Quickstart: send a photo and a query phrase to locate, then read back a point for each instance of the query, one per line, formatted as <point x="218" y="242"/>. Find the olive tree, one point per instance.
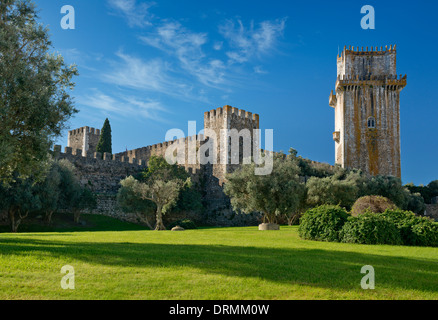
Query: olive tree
<point x="74" y="197"/>
<point x="129" y="200"/>
<point x="278" y="193"/>
<point x="339" y="189"/>
<point x="35" y="103"/>
<point x="18" y="199"/>
<point x="162" y="184"/>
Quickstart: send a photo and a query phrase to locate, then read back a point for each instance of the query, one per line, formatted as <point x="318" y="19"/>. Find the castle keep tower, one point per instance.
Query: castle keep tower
<point x="84" y="138"/>
<point x="367" y="111"/>
<point x="229" y="118"/>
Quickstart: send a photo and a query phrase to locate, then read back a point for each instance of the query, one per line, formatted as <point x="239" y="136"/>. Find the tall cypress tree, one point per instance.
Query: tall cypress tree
<point x="105" y="143"/>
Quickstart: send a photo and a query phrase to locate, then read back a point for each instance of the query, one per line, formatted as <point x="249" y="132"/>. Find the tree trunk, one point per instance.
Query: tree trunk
<point x="76" y="216"/>
<point x="12" y="219"/>
<point x="292" y="219"/>
<point x="15" y="223"/>
<point x="159" y="225"/>
<point x="48" y="217"/>
<point x="145" y="220"/>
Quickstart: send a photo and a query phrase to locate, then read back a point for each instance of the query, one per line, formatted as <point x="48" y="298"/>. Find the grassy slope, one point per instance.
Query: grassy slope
<point x="220" y="263"/>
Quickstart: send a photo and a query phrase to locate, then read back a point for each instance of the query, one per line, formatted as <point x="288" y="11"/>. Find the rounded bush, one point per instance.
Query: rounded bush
<point x="414" y="230"/>
<point x="323" y="223"/>
<point x="376" y="204"/>
<point x="370" y="228"/>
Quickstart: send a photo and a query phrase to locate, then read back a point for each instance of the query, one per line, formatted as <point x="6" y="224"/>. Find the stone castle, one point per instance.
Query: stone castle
<point x="104" y="172"/>
<point x="367" y="110"/>
<point x="367" y="137"/>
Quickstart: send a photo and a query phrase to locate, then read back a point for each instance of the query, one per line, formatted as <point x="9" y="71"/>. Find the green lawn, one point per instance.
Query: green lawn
<point x="216" y="263"/>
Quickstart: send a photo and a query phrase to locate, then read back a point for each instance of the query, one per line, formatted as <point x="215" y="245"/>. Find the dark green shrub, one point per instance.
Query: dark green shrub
<point x="323" y="223"/>
<point x="185" y="223"/>
<point x="414" y="230"/>
<point x="370" y="228"/>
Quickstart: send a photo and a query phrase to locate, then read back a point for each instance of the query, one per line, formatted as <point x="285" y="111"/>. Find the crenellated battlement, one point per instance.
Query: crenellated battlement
<point x="76" y="154"/>
<point x="351" y="50"/>
<point x="81" y="131"/>
<point x="366" y="62"/>
<point x="229" y="110"/>
<point x="85" y="138"/>
<point x="162" y="145"/>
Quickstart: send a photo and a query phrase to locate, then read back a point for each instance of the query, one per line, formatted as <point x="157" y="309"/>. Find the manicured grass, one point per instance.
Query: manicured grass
<point x="216" y="263"/>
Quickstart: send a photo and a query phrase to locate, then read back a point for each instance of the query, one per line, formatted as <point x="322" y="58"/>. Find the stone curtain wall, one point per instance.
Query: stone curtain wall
<point x="101" y="175"/>
<point x="145" y="153"/>
<point x="211" y="176"/>
<point x="104" y="175"/>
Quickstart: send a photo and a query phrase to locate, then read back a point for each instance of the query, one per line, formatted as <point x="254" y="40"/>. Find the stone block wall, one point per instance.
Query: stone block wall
<point x="102" y="175"/>
<point x="365" y="61"/>
<point x="185" y="145"/>
<point x="85" y="139"/>
<point x="432" y="211"/>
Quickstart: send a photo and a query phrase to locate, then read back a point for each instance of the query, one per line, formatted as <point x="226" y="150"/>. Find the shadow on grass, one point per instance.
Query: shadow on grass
<point x="314" y="267"/>
<point x="64" y="223"/>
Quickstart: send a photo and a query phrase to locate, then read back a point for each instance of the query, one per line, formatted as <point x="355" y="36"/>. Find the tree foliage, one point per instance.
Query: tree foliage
<point x="49" y="191"/>
<point x="60" y="189"/>
<point x="105" y="139"/>
<point x="341" y="188"/>
<point x="161" y="184"/>
<point x="18" y="199"/>
<point x="74" y="197"/>
<point x="426" y="192"/>
<point x="130" y="200"/>
<point x="34" y="91"/>
<point x="278" y="193"/>
<point x="389" y="187"/>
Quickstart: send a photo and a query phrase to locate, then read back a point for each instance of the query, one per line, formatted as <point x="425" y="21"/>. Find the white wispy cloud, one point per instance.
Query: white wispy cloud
<point x="136" y="13"/>
<point x="186" y="46"/>
<point x="252" y="41"/>
<point x="155" y="76"/>
<point x="192" y="61"/>
<point x="123" y="106"/>
<point x="259" y="70"/>
<point x="83" y="60"/>
<point x="218" y="45"/>
<point x="132" y="72"/>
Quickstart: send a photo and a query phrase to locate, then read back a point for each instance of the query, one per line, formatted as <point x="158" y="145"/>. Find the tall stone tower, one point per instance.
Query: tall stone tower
<point x="367" y="110"/>
<point x="229" y="118"/>
<point x="84" y="138"/>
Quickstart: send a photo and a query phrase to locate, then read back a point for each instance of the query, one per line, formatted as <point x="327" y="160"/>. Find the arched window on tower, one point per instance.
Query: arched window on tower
<point x="371" y="122"/>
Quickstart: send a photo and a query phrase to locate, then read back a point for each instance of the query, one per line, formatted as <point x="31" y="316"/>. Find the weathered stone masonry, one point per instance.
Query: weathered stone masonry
<point x="104" y="175"/>
<point x="367" y="111"/>
<point x="84" y="138"/>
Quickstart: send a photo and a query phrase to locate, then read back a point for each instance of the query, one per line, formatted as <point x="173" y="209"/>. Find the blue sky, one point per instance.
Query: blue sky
<point x="152" y="66"/>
